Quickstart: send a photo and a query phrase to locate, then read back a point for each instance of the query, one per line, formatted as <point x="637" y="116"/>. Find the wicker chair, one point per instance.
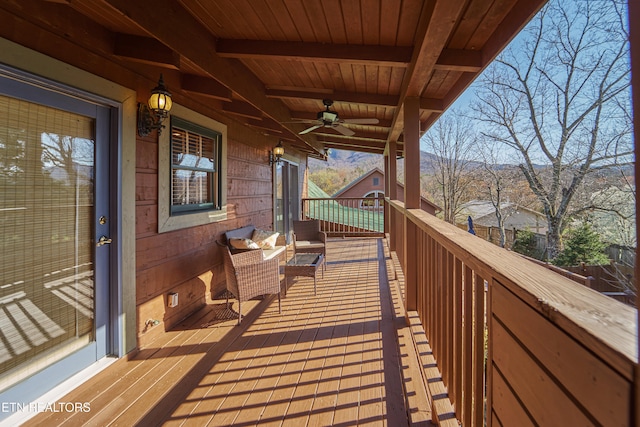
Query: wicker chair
<point x="249" y="275"/>
<point x="307" y="237"/>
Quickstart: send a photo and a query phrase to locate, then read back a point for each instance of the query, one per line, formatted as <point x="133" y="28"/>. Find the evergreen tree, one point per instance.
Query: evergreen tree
<point x="582" y="245"/>
<point x="526" y="245"/>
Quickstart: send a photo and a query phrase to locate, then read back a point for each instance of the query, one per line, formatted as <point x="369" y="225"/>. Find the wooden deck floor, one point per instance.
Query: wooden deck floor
<point x="328" y="360"/>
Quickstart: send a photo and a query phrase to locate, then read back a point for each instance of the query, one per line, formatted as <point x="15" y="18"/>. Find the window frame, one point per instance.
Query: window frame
<point x="168" y="221"/>
<point x="214" y="182"/>
<point x="377" y="195"/>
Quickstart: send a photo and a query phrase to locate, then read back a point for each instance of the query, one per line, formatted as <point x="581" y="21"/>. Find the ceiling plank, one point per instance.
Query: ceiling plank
<point x="146" y="50"/>
<point x="395" y="56"/>
<point x="147" y="13"/>
<point x="205" y="86"/>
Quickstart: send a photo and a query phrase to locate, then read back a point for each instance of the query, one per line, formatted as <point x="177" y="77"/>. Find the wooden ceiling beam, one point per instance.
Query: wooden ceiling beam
<point x="353" y="146"/>
<point x="146" y="14"/>
<point x="305" y="115"/>
<point x="348" y="97"/>
<point x="512" y="24"/>
<point x="206" y="87"/>
<point x="393" y="56"/>
<point x="265" y="125"/>
<point x="437" y="21"/>
<point x="366" y="136"/>
<point x="242" y="109"/>
<point x="377" y="140"/>
<point x="431" y="104"/>
<point x="146" y="50"/>
<point x="464" y="60"/>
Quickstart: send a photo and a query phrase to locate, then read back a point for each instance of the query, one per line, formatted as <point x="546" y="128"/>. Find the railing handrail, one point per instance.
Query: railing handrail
<point x="502" y="328"/>
<point x="614" y="328"/>
<point x="346" y="215"/>
<point x="343" y="198"/>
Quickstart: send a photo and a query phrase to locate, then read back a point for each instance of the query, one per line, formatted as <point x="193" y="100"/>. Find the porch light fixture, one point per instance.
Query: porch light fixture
<point x="276" y="154"/>
<point x="151" y="117"/>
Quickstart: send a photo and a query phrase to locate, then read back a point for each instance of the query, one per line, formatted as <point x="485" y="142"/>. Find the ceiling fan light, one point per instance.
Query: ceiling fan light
<point x="327" y="116"/>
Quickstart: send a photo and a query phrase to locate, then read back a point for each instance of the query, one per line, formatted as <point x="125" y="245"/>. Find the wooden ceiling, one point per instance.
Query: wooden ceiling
<point x="270" y="63"/>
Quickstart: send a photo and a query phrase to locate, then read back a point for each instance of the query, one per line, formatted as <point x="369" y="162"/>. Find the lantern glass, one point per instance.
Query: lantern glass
<point x="160" y="102"/>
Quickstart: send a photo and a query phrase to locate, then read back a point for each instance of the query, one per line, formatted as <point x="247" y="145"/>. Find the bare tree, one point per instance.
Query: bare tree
<point x="497" y="181"/>
<point x="451" y="141"/>
<point x="559" y="98"/>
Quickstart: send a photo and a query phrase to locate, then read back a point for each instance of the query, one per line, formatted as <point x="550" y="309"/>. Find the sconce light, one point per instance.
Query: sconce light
<point x="276" y="154"/>
<point x="151" y="117"/>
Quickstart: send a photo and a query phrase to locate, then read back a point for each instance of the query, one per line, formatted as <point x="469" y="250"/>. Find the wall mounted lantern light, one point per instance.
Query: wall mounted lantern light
<point x="151" y="117"/>
<point x="276" y="154"/>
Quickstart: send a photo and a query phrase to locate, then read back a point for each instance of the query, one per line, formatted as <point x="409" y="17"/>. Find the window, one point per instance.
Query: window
<point x="372" y="200"/>
<point x="192" y="171"/>
<point x="195" y="155"/>
<point x="376" y="181"/>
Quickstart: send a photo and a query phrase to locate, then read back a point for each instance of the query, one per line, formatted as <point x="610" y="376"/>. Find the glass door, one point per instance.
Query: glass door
<point x="287" y="197"/>
<point x="54" y="237"/>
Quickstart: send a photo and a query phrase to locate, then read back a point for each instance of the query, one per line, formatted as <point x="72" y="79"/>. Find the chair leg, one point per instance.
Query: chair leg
<point x="279" y="302"/>
<point x="239" y="311"/>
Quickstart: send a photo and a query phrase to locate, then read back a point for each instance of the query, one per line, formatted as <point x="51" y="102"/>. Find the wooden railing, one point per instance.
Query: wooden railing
<point x="346" y="216"/>
<point x="515" y="344"/>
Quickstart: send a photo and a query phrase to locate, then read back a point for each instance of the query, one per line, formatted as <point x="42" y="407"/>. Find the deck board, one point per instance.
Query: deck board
<point x="321" y="362"/>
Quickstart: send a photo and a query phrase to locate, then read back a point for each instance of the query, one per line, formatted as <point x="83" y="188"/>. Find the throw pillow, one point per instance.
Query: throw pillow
<point x="238" y="243"/>
<point x="264" y="238"/>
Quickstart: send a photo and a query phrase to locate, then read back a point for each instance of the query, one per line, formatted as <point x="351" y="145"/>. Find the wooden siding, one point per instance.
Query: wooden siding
<point x="188" y="261"/>
<point x="185" y="261"/>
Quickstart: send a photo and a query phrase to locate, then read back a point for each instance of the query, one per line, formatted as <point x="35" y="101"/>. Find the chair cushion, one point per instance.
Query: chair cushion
<point x="309" y="244"/>
<point x="265" y="239"/>
<point x="242" y="243"/>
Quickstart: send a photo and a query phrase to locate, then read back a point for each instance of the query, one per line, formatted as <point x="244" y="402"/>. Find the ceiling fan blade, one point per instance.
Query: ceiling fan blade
<point x="307" y="130"/>
<point x="344" y="130"/>
<point x="368" y="121"/>
<point x="301" y="121"/>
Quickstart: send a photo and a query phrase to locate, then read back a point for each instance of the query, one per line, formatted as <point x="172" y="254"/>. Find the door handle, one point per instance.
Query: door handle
<point x="104" y="240"/>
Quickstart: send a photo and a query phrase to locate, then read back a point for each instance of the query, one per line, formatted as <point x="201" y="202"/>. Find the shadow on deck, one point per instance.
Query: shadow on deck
<point x="341" y="358"/>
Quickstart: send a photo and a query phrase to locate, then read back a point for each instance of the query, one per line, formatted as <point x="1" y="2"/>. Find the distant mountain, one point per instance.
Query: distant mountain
<point x="340" y="159"/>
<point x="364" y="162"/>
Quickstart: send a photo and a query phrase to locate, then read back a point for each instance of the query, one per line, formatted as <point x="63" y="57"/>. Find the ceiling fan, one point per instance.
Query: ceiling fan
<point x="330" y="119"/>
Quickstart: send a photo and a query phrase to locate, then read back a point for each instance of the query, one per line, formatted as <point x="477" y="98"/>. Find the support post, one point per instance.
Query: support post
<point x="411" y="197"/>
<point x="634" y="16"/>
<point x="391" y="191"/>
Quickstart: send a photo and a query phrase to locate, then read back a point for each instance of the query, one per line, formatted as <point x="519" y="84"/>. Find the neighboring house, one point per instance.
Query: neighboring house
<point x="371" y="185"/>
<point x="483" y="213"/>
